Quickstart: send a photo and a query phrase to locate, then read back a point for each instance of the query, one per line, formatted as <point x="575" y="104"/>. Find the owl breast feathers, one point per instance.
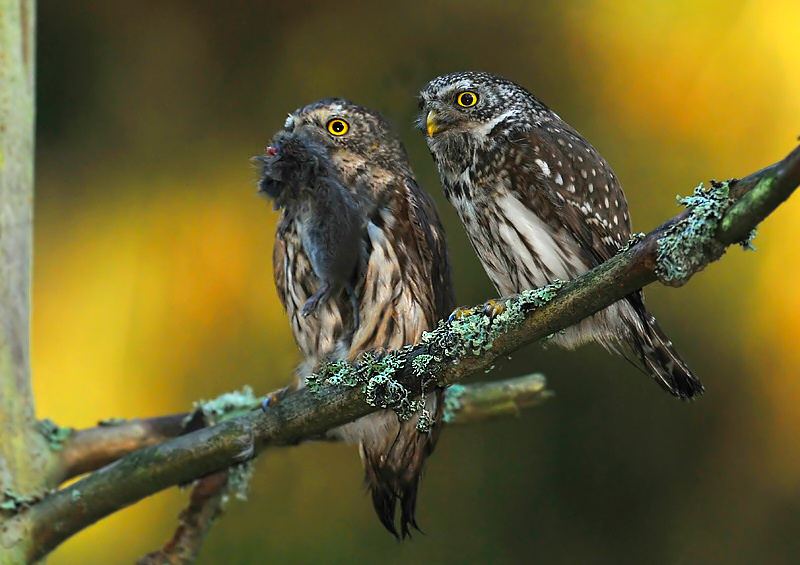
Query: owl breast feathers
<point x="399" y="286"/>
<point x="539" y="203"/>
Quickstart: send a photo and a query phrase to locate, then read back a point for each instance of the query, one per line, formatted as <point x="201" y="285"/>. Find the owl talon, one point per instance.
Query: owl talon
<point x="274" y="397"/>
<point x="457" y="313"/>
<point x="494" y="308"/>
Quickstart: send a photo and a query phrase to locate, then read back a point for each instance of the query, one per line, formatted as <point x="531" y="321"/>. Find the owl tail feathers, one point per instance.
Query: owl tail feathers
<point x="385" y="499"/>
<point x="663" y="362"/>
<point x="393" y="468"/>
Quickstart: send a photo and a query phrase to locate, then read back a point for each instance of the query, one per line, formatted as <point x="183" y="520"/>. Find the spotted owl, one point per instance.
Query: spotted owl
<point x="360" y="264"/>
<point x="540" y="203"/>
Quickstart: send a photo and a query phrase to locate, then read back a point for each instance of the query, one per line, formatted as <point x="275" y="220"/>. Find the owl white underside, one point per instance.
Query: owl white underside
<point x="386" y="298"/>
<point x="524" y="231"/>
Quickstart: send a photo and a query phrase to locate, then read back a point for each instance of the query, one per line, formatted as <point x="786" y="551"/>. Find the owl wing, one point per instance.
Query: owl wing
<point x="409" y="289"/>
<point x="578" y="186"/>
<point x="280" y="260"/>
<point x="406" y="281"/>
<point x="428" y="239"/>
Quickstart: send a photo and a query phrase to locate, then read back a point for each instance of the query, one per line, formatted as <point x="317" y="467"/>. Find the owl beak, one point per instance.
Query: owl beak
<point x="431" y="124"/>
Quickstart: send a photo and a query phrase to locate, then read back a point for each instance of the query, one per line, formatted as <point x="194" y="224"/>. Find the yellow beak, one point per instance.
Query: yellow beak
<point x="433" y="127"/>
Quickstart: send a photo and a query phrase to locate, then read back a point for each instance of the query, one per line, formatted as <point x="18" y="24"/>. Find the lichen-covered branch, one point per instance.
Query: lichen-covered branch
<point x="83" y="451"/>
<point x="468" y="343"/>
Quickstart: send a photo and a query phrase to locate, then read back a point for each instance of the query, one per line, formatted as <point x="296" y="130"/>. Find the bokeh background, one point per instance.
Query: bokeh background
<point x="153" y="284"/>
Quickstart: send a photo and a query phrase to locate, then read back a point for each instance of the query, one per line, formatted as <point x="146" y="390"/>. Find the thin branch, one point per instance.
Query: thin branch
<point x="453" y="351"/>
<point x="468" y="404"/>
<point x="90" y="449"/>
<point x="205" y="504"/>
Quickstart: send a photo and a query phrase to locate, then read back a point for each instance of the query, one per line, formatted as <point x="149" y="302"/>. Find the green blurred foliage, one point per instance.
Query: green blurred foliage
<point x="153" y="282"/>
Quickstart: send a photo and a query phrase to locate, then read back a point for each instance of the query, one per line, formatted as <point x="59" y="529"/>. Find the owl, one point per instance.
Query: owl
<point x="360" y="264"/>
<point x="540" y="203"/>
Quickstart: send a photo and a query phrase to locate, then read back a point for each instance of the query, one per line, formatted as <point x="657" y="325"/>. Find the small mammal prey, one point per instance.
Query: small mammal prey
<point x="299" y="175"/>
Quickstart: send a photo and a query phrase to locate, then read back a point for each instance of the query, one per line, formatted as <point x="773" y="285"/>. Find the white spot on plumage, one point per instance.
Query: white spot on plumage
<point x="544" y="166"/>
<point x="606" y="201"/>
<point x="571" y="188"/>
<point x="583" y="173"/>
<point x="591" y="188"/>
<point x="558" y="179"/>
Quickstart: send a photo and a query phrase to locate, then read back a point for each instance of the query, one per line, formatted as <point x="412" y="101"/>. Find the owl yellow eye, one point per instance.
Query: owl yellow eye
<point x="467" y="99"/>
<point x="338" y="126"/>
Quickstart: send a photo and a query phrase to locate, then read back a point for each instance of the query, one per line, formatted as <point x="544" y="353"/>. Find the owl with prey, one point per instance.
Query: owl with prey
<point x="540" y="203"/>
<point x="360" y="265"/>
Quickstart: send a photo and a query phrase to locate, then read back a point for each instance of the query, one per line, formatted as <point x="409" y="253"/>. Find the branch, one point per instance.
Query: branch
<point x="90" y="449"/>
<point x="468" y="404"/>
<point x="205" y="504"/>
<point x="467" y="344"/>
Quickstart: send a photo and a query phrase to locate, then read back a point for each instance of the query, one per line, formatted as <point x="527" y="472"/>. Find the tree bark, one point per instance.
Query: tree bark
<point x="25" y="457"/>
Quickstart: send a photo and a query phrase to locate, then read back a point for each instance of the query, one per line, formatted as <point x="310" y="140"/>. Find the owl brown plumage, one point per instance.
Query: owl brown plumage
<point x="401" y="283"/>
<point x="540" y="203"/>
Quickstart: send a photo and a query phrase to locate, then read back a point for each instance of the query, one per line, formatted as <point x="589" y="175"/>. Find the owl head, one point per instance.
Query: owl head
<point x="474" y="106"/>
<point x="356" y="137"/>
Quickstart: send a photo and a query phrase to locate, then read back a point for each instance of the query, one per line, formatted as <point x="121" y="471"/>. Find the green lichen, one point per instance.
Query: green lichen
<point x="225" y="406"/>
<point x="633" y="240"/>
<point x="467" y="332"/>
<point x="747" y="243"/>
<point x="336" y="373"/>
<point x="689" y="245"/>
<point x="452" y="402"/>
<point x="375" y="371"/>
<point x="425" y="422"/>
<point x="12" y="502"/>
<point x="239" y="479"/>
<point x="474" y="331"/>
<point x="423" y="364"/>
<point x="754" y="198"/>
<point x="53" y="433"/>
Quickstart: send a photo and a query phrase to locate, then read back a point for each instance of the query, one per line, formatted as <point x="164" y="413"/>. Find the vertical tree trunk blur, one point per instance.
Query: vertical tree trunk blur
<point x="22" y="448"/>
